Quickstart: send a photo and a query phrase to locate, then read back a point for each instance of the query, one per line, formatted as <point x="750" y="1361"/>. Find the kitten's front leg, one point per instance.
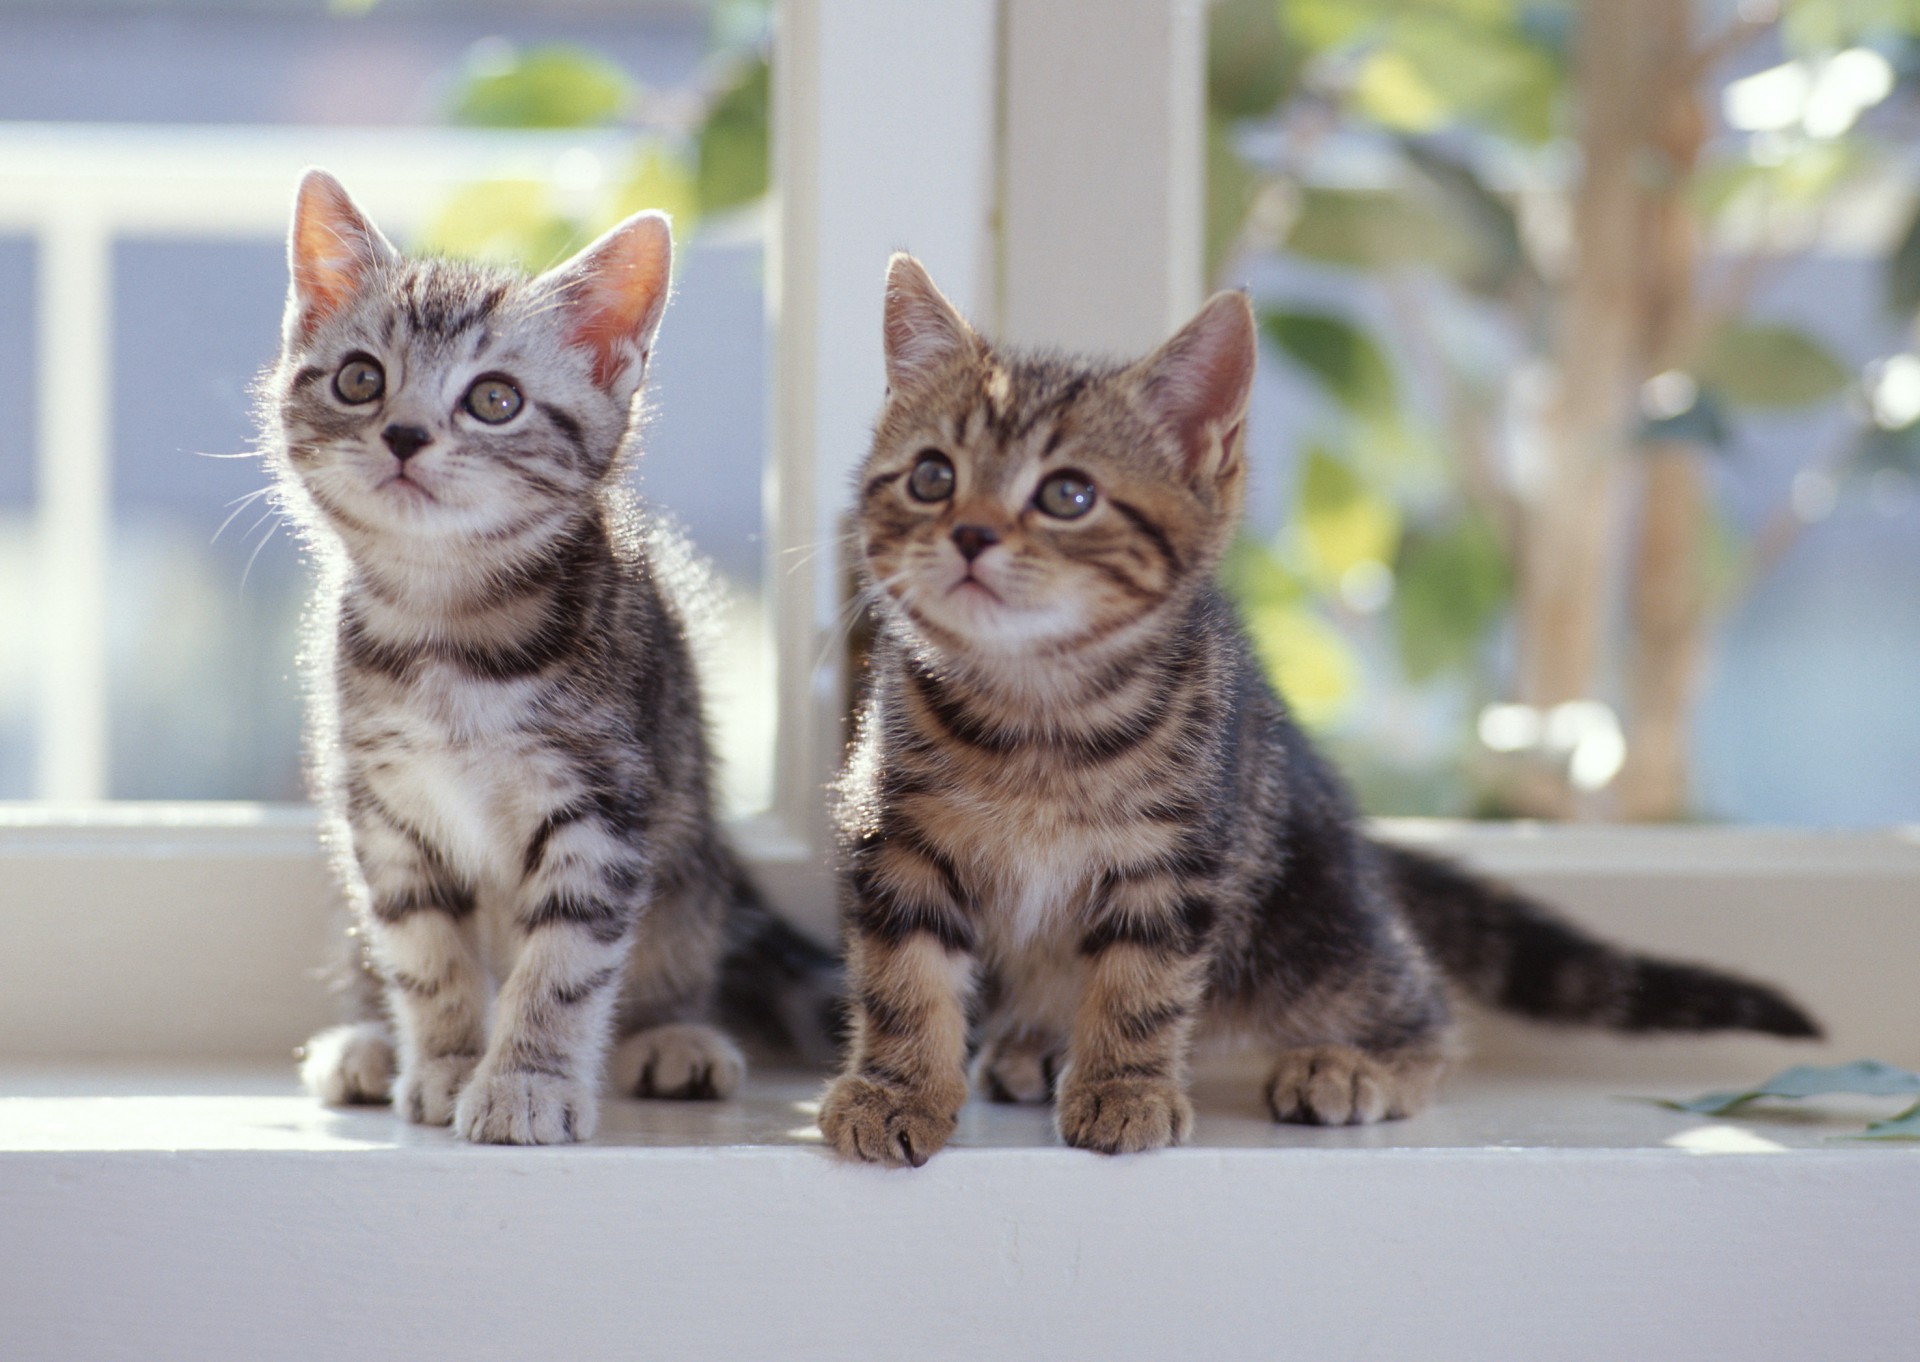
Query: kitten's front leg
<point x="420" y="917"/>
<point x="1124" y="1089"/>
<point x="539" y="1082"/>
<point x="910" y="971"/>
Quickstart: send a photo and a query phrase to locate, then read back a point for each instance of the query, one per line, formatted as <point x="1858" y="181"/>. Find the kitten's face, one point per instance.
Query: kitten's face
<point x="440" y="403"/>
<point x="1026" y="506"/>
<point x="1017" y="506"/>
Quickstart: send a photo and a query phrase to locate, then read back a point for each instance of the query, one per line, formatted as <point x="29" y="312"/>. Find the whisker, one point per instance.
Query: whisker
<point x="272" y="530"/>
<point x="239" y="504"/>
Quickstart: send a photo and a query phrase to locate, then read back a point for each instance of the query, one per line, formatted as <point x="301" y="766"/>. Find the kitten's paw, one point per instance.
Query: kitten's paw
<point x="680" y="1060"/>
<point x="1018" y="1069"/>
<point x="347" y="1066"/>
<point x="517" y="1107"/>
<point x="1336" y="1085"/>
<point x="425" y="1094"/>
<point x="1123" y="1115"/>
<point x="877" y="1124"/>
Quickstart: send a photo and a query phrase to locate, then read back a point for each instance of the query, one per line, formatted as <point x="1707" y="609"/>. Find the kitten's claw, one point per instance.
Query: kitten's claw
<point x="1123" y="1115"/>
<point x="516" y="1107"/>
<point x="681" y="1060"/>
<point x="1336" y="1085"/>
<point x="425" y="1093"/>
<point x="348" y="1066"/>
<point x="876" y="1124"/>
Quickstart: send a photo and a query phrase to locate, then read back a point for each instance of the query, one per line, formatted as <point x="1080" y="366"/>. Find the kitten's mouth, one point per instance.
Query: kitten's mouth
<point x="971" y="585"/>
<point x="406" y="488"/>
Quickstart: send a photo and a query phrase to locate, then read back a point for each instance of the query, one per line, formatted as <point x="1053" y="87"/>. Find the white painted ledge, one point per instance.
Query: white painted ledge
<point x="217" y="1214"/>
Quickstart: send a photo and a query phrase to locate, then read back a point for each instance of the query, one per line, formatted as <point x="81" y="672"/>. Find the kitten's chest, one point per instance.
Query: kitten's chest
<point x="463" y="762"/>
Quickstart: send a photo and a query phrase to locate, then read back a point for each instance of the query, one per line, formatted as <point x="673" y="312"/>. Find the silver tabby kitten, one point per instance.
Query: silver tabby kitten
<point x="507" y="730"/>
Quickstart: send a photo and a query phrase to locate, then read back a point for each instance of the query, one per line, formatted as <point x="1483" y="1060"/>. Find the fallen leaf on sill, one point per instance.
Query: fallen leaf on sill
<point x="1864" y="1077"/>
<point x="1905" y="1126"/>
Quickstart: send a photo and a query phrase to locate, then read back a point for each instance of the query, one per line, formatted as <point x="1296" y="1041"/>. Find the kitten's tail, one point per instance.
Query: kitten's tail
<point x="1511" y="953"/>
<point x="776" y="984"/>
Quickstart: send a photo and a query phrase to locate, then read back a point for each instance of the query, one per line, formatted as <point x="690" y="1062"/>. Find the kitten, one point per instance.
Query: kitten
<point x="1072" y="791"/>
<point x="506" y="726"/>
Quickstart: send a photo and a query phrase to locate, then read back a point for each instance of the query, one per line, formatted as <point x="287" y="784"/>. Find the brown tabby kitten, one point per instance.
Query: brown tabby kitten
<point x="506" y="726"/>
<point x="1072" y="785"/>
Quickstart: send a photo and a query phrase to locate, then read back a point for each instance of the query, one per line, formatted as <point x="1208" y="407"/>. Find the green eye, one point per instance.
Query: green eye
<point x="493" y="399"/>
<point x="932" y="477"/>
<point x="361" y="379"/>
<point x="1065" y="496"/>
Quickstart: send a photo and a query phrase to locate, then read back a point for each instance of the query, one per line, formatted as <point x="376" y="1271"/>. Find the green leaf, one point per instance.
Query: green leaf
<point x="512" y="222"/>
<point x="1897" y="449"/>
<point x="1820" y="26"/>
<point x="1486" y="220"/>
<point x="1865" y="1077"/>
<point x="1703" y="423"/>
<point x="1344" y="358"/>
<point x="733" y="142"/>
<point x="1360" y="228"/>
<point x="1905" y="1126"/>
<point x="1251" y="66"/>
<point x="1440" y="66"/>
<point x="551" y="86"/>
<point x="1451" y="585"/>
<point x="1903" y="270"/>
<point x="1307" y="660"/>
<point x="1339" y="521"/>
<point x="656" y="179"/>
<point x="1255" y="576"/>
<point x="1770" y="365"/>
<point x="1231" y="186"/>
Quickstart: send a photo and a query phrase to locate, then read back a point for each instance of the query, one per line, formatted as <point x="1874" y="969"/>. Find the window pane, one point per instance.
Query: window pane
<point x="19" y="703"/>
<point x="1504" y="302"/>
<point x="205" y="611"/>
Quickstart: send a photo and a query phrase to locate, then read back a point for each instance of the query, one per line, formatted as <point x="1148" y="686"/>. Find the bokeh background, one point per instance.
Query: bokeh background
<point x="1584" y="447"/>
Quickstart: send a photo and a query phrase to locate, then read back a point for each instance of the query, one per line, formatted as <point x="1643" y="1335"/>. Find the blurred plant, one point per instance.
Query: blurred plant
<point x="1559" y="253"/>
<point x="692" y="153"/>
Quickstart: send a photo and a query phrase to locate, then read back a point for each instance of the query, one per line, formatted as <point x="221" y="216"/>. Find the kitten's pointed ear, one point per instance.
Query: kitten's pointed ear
<point x="1198" y="383"/>
<point x="330" y="251"/>
<point x="611" y="297"/>
<point x="924" y="333"/>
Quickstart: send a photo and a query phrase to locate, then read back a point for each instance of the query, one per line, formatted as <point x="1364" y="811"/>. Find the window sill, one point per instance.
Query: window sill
<point x="1519" y="1218"/>
<point x="192" y="931"/>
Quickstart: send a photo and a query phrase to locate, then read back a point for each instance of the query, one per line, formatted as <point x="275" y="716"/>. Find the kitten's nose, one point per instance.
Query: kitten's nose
<point x="406" y="441"/>
<point x="973" y="540"/>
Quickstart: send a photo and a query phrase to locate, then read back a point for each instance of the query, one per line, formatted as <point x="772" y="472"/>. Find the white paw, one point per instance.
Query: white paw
<point x="525" y="1108"/>
<point x="346" y="1066"/>
<point x="683" y="1060"/>
<point x="426" y="1092"/>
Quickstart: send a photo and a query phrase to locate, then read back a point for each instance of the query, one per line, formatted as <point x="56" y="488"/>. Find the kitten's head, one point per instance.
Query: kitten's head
<point x="433" y="403"/>
<point x="1019" y="505"/>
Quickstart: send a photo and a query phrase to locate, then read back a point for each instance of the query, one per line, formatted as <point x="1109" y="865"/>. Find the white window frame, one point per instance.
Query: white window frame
<point x="1056" y="200"/>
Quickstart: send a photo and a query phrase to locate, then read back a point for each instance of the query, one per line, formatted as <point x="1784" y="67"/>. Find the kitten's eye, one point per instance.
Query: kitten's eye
<point x="493" y="399"/>
<point x="1065" y="496"/>
<point x="361" y="379"/>
<point x="932" y="477"/>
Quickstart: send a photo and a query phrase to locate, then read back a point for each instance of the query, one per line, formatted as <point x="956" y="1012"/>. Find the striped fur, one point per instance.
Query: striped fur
<point x="1075" y="808"/>
<point x="506" y="727"/>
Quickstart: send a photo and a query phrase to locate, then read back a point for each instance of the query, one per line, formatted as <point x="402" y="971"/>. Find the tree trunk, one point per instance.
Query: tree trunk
<point x="1627" y="312"/>
<point x="1668" y="602"/>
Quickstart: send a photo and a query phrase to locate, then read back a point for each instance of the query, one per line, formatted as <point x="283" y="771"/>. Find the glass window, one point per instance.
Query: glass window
<point x="557" y="123"/>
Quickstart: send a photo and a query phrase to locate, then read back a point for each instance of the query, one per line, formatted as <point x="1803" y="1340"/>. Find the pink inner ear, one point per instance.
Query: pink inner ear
<point x="1200" y="380"/>
<point x="616" y="294"/>
<point x="333" y="247"/>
